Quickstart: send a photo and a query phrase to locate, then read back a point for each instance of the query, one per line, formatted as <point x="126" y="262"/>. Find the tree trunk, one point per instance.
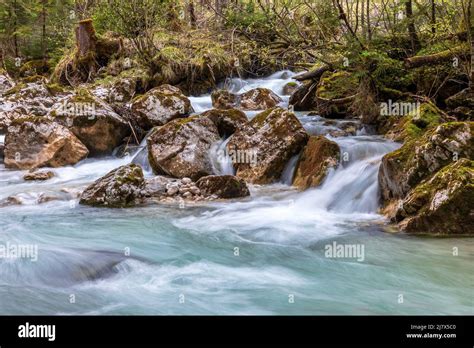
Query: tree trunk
<point x="470" y="29"/>
<point x="15" y="28"/>
<point x="369" y="29"/>
<point x="192" y="14"/>
<point x="433" y="16"/>
<point x="43" y="30"/>
<point x="415" y="42"/>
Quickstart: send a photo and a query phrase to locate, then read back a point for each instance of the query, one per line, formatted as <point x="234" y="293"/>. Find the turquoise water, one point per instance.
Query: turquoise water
<point x="262" y="255"/>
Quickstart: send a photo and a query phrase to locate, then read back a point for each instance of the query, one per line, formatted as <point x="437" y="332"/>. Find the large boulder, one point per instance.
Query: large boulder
<point x="269" y="140"/>
<point x="227" y="121"/>
<point x="303" y="97"/>
<point x="33" y="142"/>
<point x="443" y="204"/>
<point x="414" y="124"/>
<point x="318" y="156"/>
<point x="29" y="96"/>
<point x="161" y="105"/>
<point x="418" y="159"/>
<point x="225" y="186"/>
<point x="122" y="187"/>
<point x="255" y="99"/>
<point x="462" y="104"/>
<point x="259" y="99"/>
<point x="222" y="99"/>
<point x="181" y="147"/>
<point x="335" y="93"/>
<point x="93" y="121"/>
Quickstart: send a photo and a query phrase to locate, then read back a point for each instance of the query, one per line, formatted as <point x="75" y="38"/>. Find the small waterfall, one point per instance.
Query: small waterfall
<point x="289" y="171"/>
<point x="141" y="157"/>
<point x="220" y="160"/>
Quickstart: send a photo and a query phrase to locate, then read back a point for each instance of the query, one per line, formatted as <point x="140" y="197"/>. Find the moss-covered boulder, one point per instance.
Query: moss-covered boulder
<point x="318" y="156"/>
<point x="227" y="121"/>
<point x="259" y="99"/>
<point x="262" y="147"/>
<point x="161" y="105"/>
<point x="120" y="188"/>
<point x="93" y="121"/>
<point x="414" y="124"/>
<point x="419" y="158"/>
<point x="181" y="147"/>
<point x="442" y="204"/>
<point x="335" y="93"/>
<point x="225" y="186"/>
<point x="222" y="99"/>
<point x="290" y="88"/>
<point x="33" y="142"/>
<point x="29" y="96"/>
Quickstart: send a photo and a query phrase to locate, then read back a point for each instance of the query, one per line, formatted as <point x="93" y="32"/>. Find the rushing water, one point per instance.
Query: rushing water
<point x="253" y="256"/>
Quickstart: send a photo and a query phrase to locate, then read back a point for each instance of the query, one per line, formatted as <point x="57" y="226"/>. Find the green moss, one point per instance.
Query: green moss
<point x="337" y="85"/>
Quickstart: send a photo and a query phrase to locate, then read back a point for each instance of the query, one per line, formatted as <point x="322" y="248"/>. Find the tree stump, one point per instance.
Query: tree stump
<point x="86" y="40"/>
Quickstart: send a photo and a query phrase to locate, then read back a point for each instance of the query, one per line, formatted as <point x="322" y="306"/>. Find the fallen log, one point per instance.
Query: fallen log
<point x="313" y="74"/>
<point x="437" y="58"/>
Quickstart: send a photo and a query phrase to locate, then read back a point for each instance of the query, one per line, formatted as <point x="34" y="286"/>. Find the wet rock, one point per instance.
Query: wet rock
<point x="222" y="99"/>
<point x="415" y="124"/>
<point x="227" y="121"/>
<point x="318" y="156"/>
<point x="38" y="175"/>
<point x="181" y="147"/>
<point x="33" y="142"/>
<point x="161" y="105"/>
<point x="92" y="121"/>
<point x="443" y="204"/>
<point x="462" y="104"/>
<point x="259" y="99"/>
<point x="5" y="81"/>
<point x="290" y="88"/>
<point x="11" y="200"/>
<point x="32" y="95"/>
<point x="225" y="186"/>
<point x="303" y="98"/>
<point x="120" y="188"/>
<point x="262" y="147"/>
<point x="418" y="159"/>
<point x="334" y="92"/>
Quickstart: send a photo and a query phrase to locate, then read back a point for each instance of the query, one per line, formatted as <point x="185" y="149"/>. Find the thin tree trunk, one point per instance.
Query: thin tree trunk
<point x="433" y="16"/>
<point x="15" y="28"/>
<point x="415" y="42"/>
<point x="470" y="30"/>
<point x="43" y="34"/>
<point x="192" y="14"/>
<point x="369" y="30"/>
